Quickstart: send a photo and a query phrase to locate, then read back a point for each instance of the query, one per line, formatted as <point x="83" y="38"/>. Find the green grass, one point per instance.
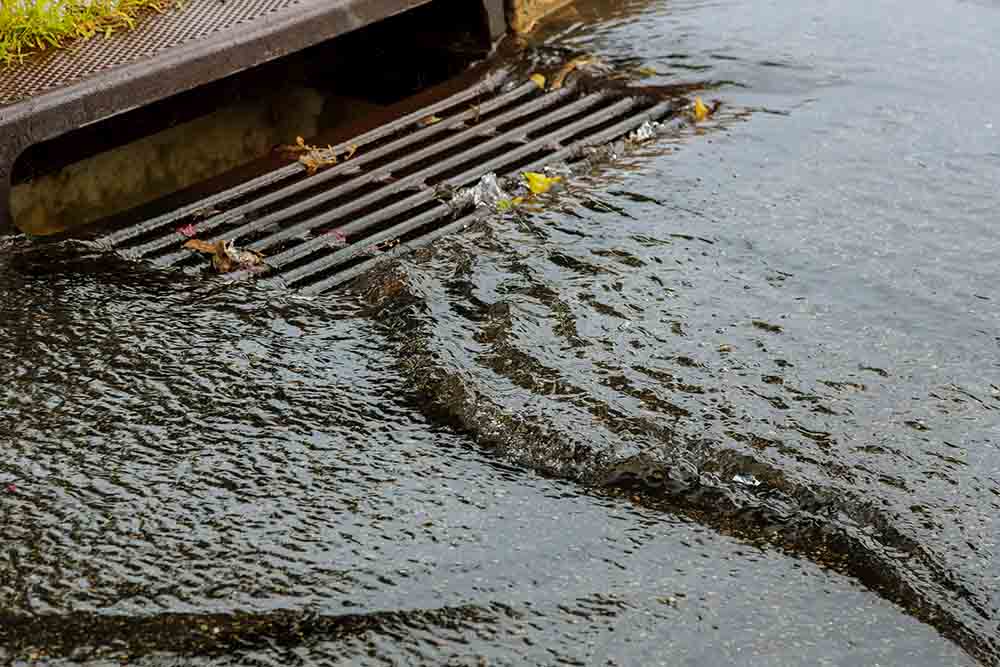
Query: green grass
<point x="30" y="26"/>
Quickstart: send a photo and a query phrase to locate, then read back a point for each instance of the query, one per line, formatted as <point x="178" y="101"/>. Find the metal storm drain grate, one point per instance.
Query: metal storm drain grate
<point x="317" y="230"/>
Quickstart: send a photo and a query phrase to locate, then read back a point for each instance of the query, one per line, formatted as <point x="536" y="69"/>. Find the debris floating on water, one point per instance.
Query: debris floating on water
<point x="487" y="192"/>
<point x="700" y="111"/>
<point x="226" y="257"/>
<point x="560" y="77"/>
<point x="540" y="183"/>
<point x="746" y="480"/>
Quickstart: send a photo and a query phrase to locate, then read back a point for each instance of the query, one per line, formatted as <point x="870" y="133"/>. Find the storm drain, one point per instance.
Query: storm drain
<point x="319" y="229"/>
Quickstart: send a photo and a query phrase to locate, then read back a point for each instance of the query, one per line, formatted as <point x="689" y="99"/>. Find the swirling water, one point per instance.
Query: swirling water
<point x="731" y="400"/>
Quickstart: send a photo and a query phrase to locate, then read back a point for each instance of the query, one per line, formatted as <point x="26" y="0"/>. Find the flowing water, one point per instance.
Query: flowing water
<point x="734" y="399"/>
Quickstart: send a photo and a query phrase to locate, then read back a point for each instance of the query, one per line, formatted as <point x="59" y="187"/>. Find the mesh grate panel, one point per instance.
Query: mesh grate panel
<point x="153" y="34"/>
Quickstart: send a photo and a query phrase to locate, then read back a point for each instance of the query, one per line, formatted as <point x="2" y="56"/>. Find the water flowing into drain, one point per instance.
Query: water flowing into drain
<point x="317" y="230"/>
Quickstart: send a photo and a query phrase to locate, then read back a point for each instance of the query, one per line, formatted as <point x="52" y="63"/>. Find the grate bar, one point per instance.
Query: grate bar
<point x="489" y="84"/>
<point x="346" y="254"/>
<point x="361" y="203"/>
<point x="363" y="267"/>
<point x="355" y="250"/>
<point x="413" y="180"/>
<point x="416" y="179"/>
<point x="460" y="180"/>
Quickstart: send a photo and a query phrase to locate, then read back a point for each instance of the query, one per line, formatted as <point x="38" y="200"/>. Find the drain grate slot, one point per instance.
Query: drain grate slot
<point x="388" y="192"/>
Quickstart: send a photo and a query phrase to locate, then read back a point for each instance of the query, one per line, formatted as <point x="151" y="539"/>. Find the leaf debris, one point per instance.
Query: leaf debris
<point x="226" y="257"/>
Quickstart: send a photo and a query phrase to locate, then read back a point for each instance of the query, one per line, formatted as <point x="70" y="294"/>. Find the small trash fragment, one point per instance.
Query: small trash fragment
<point x="746" y="480"/>
<point x="539" y="80"/>
<point x="540" y="183"/>
<point x="226" y="257"/>
<point x="187" y="230"/>
<point x="428" y="120"/>
<point x="337" y="237"/>
<point x="488" y="191"/>
<point x="645" y="132"/>
<point x="351" y="150"/>
<point x="10" y="488"/>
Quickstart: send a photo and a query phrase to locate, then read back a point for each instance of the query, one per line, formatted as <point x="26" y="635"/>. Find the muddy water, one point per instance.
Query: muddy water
<point x="732" y="401"/>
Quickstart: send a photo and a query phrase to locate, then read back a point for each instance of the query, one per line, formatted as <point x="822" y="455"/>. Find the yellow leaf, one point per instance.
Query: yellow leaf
<point x="539" y="183"/>
<point x="701" y="112"/>
<point x="539" y="80"/>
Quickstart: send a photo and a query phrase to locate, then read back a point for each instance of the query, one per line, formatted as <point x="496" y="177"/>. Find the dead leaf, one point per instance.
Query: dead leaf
<point x="226" y="257"/>
<point x="560" y="77"/>
<point x="200" y="246"/>
<point x="314" y="158"/>
<point x="229" y="258"/>
<point x="540" y="183"/>
<point x="700" y="111"/>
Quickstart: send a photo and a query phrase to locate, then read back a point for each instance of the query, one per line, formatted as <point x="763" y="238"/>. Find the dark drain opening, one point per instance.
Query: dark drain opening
<point x="162" y="149"/>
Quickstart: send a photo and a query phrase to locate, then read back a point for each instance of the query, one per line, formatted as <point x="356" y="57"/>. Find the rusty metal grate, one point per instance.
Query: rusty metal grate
<point x="390" y="191"/>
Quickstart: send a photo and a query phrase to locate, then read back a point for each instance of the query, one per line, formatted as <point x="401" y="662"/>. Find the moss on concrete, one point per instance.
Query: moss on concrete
<point x="31" y="26"/>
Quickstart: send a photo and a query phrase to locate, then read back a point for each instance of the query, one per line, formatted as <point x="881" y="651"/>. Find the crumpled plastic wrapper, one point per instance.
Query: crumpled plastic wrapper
<point x="486" y="193"/>
<point x="645" y="132"/>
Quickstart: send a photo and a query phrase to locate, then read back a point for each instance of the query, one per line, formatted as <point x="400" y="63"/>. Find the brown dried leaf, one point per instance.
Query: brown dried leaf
<point x="560" y="77"/>
<point x="226" y="257"/>
<point x="200" y="246"/>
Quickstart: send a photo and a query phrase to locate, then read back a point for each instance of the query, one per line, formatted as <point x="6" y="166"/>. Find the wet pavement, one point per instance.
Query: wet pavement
<point x="732" y="400"/>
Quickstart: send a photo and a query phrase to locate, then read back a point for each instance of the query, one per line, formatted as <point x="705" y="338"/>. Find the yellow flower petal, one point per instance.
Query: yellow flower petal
<point x="539" y="80"/>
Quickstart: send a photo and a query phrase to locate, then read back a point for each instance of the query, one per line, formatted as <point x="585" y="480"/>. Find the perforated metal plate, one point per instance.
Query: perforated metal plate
<point x="153" y="34"/>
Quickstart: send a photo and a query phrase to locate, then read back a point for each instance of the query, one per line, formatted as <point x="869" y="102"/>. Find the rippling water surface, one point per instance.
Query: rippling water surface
<point x="732" y="400"/>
